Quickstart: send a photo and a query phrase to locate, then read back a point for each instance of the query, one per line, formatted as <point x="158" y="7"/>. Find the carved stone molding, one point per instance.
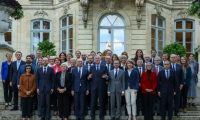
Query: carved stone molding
<point x="183" y="13"/>
<point x="112" y="5"/>
<point x="85" y="6"/>
<point x="139" y="4"/>
<point x="40" y="13"/>
<point x="66" y="8"/>
<point x="158" y="9"/>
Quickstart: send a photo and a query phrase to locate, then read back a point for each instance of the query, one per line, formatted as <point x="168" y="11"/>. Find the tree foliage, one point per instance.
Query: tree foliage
<point x="47" y="48"/>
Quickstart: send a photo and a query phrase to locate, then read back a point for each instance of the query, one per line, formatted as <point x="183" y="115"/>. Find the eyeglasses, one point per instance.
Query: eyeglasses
<point x="28" y="68"/>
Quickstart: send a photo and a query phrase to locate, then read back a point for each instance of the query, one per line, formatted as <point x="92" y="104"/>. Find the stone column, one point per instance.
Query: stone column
<point x="198" y="51"/>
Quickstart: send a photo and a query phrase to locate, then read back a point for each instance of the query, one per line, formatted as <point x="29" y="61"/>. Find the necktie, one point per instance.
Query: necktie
<point x="80" y="72"/>
<point x="116" y="74"/>
<point x="167" y="75"/>
<point x="140" y="71"/>
<point x="44" y="71"/>
<point x="17" y="65"/>
<point x="173" y="67"/>
<point x="152" y="60"/>
<point x="37" y="62"/>
<point x="108" y="68"/>
<point x="157" y="70"/>
<point x="97" y="69"/>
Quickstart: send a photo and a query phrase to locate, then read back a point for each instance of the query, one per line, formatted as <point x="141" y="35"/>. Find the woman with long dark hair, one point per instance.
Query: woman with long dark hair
<point x="139" y="55"/>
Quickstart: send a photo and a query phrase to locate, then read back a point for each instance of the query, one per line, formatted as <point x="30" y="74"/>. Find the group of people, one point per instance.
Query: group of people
<point x="142" y="84"/>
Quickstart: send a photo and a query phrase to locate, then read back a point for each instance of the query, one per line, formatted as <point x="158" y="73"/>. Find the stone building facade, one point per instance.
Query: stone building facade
<point x="97" y="25"/>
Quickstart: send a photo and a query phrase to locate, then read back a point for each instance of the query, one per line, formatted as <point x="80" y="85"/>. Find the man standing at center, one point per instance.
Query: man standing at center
<point x="116" y="87"/>
<point x="98" y="77"/>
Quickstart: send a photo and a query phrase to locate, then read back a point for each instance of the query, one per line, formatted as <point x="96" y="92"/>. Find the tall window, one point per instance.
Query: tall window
<point x="8" y="36"/>
<point x="112" y="34"/>
<point x="40" y="31"/>
<point x="66" y="30"/>
<point x="184" y="34"/>
<point x="157" y="34"/>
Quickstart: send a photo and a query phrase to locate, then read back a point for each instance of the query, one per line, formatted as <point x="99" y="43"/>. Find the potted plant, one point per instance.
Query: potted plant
<point x="193" y="9"/>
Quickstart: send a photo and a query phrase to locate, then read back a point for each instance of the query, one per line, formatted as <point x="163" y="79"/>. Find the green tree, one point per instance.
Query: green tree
<point x="47" y="48"/>
<point x="196" y="54"/>
<point x="175" y="48"/>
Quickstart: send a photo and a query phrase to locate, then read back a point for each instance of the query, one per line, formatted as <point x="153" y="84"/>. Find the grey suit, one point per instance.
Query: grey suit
<point x="115" y="88"/>
<point x="156" y="104"/>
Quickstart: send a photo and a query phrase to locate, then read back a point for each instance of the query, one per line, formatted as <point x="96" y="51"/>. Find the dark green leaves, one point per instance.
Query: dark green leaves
<point x="47" y="48"/>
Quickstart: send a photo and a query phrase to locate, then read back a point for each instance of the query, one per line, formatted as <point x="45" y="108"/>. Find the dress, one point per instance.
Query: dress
<point x="192" y="90"/>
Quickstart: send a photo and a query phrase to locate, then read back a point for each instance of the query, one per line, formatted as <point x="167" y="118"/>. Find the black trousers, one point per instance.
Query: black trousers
<point x="26" y="106"/>
<point x="15" y="91"/>
<point x="148" y="105"/>
<point x="55" y="102"/>
<point x="140" y="101"/>
<point x="64" y="105"/>
<point x="183" y="99"/>
<point x="7" y="88"/>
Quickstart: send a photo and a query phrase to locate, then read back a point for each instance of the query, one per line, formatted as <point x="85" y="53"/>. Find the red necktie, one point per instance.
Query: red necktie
<point x="157" y="70"/>
<point x="44" y="72"/>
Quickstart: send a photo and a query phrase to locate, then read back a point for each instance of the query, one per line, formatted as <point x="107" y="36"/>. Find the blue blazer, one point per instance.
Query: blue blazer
<point x="76" y="80"/>
<point x="4" y="70"/>
<point x="97" y="82"/>
<point x="151" y="61"/>
<point x="21" y="71"/>
<point x="179" y="74"/>
<point x="165" y="85"/>
<point x="47" y="80"/>
<point x="188" y="77"/>
<point x="34" y="62"/>
<point x="14" y="71"/>
<point x="133" y="79"/>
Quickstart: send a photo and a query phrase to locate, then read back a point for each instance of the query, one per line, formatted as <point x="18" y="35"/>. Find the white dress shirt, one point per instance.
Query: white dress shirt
<point x="123" y="66"/>
<point x="174" y="66"/>
<point x="81" y="70"/>
<point x="46" y="69"/>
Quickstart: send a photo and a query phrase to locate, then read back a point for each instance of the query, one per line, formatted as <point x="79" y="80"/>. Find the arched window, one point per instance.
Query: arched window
<point x="112" y="34"/>
<point x="66" y="30"/>
<point x="157" y="34"/>
<point x="8" y="35"/>
<point x="40" y="31"/>
<point x="184" y="34"/>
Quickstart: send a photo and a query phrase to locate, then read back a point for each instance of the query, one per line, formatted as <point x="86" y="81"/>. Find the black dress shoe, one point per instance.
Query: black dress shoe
<point x="153" y="114"/>
<point x="177" y="114"/>
<point x="81" y="119"/>
<point x="42" y="118"/>
<point x="113" y="118"/>
<point x="92" y="119"/>
<point x="158" y="114"/>
<point x="47" y="119"/>
<point x="14" y="108"/>
<point x="102" y="118"/>
<point x="77" y="118"/>
<point x="117" y="119"/>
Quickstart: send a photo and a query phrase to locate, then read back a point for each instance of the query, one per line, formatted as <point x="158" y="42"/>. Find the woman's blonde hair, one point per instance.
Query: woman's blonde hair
<point x="129" y="61"/>
<point x="65" y="65"/>
<point x="149" y="63"/>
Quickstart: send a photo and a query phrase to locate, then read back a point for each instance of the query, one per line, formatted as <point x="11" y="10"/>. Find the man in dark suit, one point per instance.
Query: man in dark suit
<point x="167" y="86"/>
<point x="38" y="55"/>
<point x="157" y="68"/>
<point x="83" y="57"/>
<point x="98" y="77"/>
<point x="180" y="80"/>
<point x="80" y="88"/>
<point x="45" y="87"/>
<point x="13" y="77"/>
<point x="164" y="58"/>
<point x="140" y="100"/>
<point x="109" y="53"/>
<point x="153" y="55"/>
<point x="146" y="59"/>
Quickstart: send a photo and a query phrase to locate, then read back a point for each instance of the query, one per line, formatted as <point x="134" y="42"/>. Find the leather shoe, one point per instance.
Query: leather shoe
<point x="177" y="114"/>
<point x="102" y="118"/>
<point x="92" y="118"/>
<point x="42" y="118"/>
<point x="14" y="108"/>
<point x="158" y="114"/>
<point x="47" y="119"/>
<point x="81" y="119"/>
<point x="153" y="114"/>
<point x="113" y="118"/>
<point x="77" y="118"/>
<point x="117" y="119"/>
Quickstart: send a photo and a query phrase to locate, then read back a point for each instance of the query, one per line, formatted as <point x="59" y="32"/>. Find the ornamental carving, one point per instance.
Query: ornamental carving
<point x="65" y="9"/>
<point x="112" y="5"/>
<point x="139" y="4"/>
<point x="40" y="13"/>
<point x="85" y="7"/>
<point x="158" y="9"/>
<point x="183" y="13"/>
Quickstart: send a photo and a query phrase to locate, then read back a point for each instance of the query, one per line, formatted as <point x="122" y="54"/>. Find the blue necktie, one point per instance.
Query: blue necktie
<point x="17" y="65"/>
<point x="116" y="74"/>
<point x="173" y="67"/>
<point x="80" y="72"/>
<point x="167" y="75"/>
<point x="108" y="68"/>
<point x="97" y="69"/>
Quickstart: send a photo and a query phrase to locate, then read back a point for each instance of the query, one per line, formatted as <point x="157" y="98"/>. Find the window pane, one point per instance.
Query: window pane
<point x="105" y="46"/>
<point x="153" y="20"/>
<point x="189" y="47"/>
<point x="180" y="43"/>
<point x="160" y="35"/>
<point x="70" y="20"/>
<point x="105" y="22"/>
<point x="105" y="35"/>
<point x="64" y="22"/>
<point x="119" y="35"/>
<point x="36" y="25"/>
<point x="179" y="37"/>
<point x="189" y="25"/>
<point x="112" y="18"/>
<point x="188" y="36"/>
<point x="153" y="33"/>
<point x="179" y="25"/>
<point x="153" y="44"/>
<point x="70" y="43"/>
<point x="35" y="41"/>
<point x="71" y="33"/>
<point x="45" y="36"/>
<point x="160" y="22"/>
<point x="46" y="25"/>
<point x="64" y="34"/>
<point x="118" y="48"/>
<point x="63" y="45"/>
<point x="8" y="38"/>
<point x="119" y="22"/>
<point x="160" y="45"/>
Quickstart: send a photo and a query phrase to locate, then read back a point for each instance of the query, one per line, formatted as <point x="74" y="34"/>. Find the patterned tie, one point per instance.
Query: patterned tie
<point x="157" y="70"/>
<point x="44" y="72"/>
<point x="116" y="74"/>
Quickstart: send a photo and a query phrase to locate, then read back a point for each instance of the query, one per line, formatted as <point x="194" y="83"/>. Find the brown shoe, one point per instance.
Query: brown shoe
<point x="184" y="110"/>
<point x="180" y="110"/>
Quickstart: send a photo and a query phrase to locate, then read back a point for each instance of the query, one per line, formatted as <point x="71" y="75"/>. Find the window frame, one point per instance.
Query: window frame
<point x="67" y="35"/>
<point x="40" y="31"/>
<point x="112" y="31"/>
<point x="184" y="31"/>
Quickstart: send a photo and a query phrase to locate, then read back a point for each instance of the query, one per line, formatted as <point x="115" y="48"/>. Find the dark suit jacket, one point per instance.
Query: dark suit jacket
<point x="143" y="70"/>
<point x="165" y="85"/>
<point x="34" y="62"/>
<point x="111" y="68"/>
<point x="151" y="61"/>
<point x="46" y="81"/>
<point x="97" y="82"/>
<point x="85" y="63"/>
<point x="120" y="67"/>
<point x="76" y="80"/>
<point x="14" y="71"/>
<point x="179" y="74"/>
<point x="161" y="63"/>
<point x="68" y="82"/>
<point x="133" y="79"/>
<point x="196" y="70"/>
<point x="188" y="77"/>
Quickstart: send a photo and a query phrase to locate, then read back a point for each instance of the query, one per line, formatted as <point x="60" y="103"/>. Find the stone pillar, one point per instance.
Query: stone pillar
<point x="198" y="51"/>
